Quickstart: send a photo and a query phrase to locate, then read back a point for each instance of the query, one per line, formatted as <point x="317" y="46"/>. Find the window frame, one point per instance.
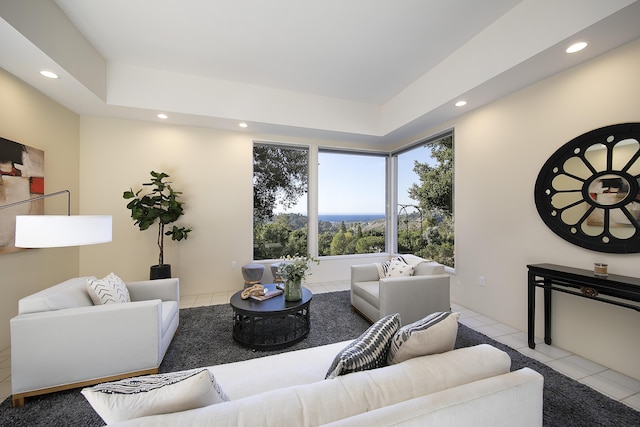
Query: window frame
<point x="282" y="145"/>
<point x="391" y="187"/>
<point x="394" y="183"/>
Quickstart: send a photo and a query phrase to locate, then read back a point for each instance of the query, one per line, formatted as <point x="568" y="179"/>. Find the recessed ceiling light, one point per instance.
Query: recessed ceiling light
<point x="576" y="47"/>
<point x="49" y="74"/>
<point x="162" y="116"/>
<point x="243" y="125"/>
<point x="461" y="103"/>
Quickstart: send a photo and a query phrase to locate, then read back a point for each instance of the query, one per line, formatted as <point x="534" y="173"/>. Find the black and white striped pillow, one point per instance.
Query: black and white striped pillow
<point x="368" y="351"/>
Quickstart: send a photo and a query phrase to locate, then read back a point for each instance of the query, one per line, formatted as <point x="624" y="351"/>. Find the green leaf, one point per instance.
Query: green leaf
<point x="159" y="204"/>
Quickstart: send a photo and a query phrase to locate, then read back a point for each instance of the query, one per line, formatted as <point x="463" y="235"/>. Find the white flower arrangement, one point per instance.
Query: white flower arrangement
<point x="296" y="268"/>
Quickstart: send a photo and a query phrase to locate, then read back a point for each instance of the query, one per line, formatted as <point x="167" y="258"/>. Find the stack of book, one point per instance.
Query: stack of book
<point x="266" y="296"/>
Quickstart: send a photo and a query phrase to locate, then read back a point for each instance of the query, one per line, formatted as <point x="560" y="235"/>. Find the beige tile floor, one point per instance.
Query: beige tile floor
<point x="611" y="383"/>
<point x="607" y="381"/>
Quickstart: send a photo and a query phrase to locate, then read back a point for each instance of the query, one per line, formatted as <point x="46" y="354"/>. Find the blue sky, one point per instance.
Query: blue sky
<point x="353" y="184"/>
<point x="350" y="184"/>
<point x="406" y="176"/>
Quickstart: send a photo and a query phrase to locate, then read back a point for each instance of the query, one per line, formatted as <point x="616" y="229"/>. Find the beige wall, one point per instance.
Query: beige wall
<point x="30" y="118"/>
<point x="212" y="168"/>
<point x="214" y="171"/>
<point x="499" y="151"/>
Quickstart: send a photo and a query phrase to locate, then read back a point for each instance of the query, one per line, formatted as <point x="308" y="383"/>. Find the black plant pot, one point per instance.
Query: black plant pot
<point x="160" y="271"/>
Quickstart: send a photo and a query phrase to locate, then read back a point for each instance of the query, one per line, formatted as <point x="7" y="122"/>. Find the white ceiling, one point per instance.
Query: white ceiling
<point x="360" y="50"/>
<point x="360" y="71"/>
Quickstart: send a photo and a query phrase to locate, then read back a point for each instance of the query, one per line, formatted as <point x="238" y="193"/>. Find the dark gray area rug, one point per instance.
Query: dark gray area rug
<point x="204" y="339"/>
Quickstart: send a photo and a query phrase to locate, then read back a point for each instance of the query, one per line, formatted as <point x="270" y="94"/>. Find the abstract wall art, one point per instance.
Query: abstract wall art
<point x="21" y="177"/>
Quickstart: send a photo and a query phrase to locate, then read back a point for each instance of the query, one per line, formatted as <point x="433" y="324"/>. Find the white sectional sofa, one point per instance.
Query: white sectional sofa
<point x="464" y="387"/>
<point x="61" y="340"/>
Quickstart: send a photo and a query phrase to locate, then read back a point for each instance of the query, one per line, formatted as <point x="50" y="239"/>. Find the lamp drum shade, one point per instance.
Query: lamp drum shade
<point x="53" y="231"/>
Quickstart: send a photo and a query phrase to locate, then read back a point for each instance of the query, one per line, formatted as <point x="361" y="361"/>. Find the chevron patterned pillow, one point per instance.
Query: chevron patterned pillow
<point x="368" y="351"/>
<point x="108" y="290"/>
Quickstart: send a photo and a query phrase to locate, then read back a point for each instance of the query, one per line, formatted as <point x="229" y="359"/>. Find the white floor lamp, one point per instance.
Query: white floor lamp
<point x="54" y="231"/>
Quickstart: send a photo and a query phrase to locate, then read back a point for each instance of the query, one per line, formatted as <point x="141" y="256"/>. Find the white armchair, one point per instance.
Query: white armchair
<point x="414" y="297"/>
<point x="60" y="340"/>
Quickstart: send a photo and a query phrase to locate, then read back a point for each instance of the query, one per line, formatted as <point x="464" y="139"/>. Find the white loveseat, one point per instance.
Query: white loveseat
<point x="464" y="387"/>
<point x="61" y="340"/>
<point x="424" y="292"/>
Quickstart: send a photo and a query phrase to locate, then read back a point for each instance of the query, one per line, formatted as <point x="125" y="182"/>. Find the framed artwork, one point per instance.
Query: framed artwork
<point x="21" y="177"/>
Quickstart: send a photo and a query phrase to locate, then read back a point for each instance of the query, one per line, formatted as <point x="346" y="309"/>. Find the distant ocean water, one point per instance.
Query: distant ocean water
<point x="350" y="217"/>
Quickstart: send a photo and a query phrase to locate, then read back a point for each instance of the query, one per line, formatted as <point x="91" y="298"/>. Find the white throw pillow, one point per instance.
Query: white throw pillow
<point x="383" y="267"/>
<point x="400" y="269"/>
<point x="108" y="290"/>
<point x="436" y="333"/>
<point x="368" y="351"/>
<point x="154" y="394"/>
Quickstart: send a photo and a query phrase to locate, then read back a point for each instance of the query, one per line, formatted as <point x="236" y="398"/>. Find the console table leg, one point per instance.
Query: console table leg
<point x="547" y="312"/>
<point x="531" y="315"/>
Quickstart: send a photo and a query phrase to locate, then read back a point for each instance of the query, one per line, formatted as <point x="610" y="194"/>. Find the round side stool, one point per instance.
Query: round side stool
<point x="252" y="274"/>
<point x="274" y="271"/>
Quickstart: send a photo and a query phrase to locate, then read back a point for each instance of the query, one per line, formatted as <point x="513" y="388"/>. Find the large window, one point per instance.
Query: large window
<point x="280" y="181"/>
<point x="425" y="200"/>
<point x="352" y="198"/>
<point x="351" y="203"/>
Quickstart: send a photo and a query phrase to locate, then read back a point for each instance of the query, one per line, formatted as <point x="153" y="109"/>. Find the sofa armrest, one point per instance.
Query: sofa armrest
<point x="163" y="289"/>
<point x="67" y="346"/>
<point x="414" y="297"/>
<point x="364" y="273"/>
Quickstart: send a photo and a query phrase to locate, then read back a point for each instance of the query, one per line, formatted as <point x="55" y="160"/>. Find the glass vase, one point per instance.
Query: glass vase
<point x="293" y="290"/>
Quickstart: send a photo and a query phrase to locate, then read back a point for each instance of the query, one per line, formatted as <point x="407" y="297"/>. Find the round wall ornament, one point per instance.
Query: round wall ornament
<point x="588" y="192"/>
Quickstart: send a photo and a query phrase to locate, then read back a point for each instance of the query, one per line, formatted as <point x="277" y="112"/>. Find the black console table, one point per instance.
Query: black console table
<point x="614" y="289"/>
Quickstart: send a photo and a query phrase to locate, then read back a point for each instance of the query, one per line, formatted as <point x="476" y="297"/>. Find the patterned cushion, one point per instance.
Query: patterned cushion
<point x="368" y="351"/>
<point x="399" y="269"/>
<point x="154" y="394"/>
<point x="383" y="267"/>
<point x="436" y="333"/>
<point x="108" y="290"/>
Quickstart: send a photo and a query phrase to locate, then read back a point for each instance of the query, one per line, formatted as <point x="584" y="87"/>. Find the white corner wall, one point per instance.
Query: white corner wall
<point x="499" y="151"/>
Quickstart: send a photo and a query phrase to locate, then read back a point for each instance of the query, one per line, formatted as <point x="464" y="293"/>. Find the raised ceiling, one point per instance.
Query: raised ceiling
<point x="358" y="71"/>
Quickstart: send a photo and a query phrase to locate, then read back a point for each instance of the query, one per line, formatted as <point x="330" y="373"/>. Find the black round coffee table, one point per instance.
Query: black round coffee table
<point x="273" y="323"/>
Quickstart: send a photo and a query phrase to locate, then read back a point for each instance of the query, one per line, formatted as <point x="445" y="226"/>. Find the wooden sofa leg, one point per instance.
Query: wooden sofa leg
<point x="19" y="399"/>
<point x="361" y="314"/>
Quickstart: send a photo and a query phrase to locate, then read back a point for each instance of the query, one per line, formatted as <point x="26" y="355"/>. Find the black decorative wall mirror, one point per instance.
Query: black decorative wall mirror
<point x="588" y="192"/>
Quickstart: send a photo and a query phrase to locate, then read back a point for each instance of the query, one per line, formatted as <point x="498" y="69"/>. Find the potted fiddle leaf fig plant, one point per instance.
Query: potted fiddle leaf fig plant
<point x="160" y="204"/>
